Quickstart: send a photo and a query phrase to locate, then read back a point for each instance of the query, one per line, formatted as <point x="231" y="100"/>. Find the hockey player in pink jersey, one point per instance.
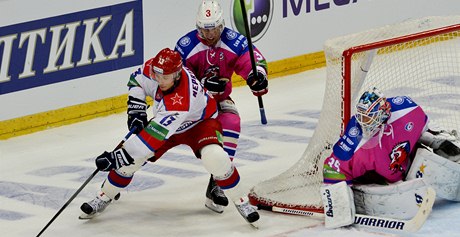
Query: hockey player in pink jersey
<point x="214" y="52"/>
<point x="184" y="113"/>
<point x="377" y="147"/>
<point x="379" y="138"/>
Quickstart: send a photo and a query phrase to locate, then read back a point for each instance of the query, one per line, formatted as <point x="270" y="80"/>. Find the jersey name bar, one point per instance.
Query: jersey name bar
<point x="70" y="46"/>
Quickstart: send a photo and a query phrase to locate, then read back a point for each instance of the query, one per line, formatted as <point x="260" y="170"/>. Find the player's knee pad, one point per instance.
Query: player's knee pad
<point x="440" y="173"/>
<point x="215" y="160"/>
<point x="398" y="200"/>
<point x="228" y="106"/>
<point x="339" y="207"/>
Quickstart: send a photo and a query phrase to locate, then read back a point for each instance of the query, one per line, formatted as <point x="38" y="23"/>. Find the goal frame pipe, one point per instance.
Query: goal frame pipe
<point x="348" y="53"/>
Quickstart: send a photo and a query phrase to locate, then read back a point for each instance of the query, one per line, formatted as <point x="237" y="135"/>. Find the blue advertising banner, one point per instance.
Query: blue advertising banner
<point x="70" y="46"/>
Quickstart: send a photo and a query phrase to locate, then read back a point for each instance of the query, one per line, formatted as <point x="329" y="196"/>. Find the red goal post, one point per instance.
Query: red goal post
<point x="419" y="58"/>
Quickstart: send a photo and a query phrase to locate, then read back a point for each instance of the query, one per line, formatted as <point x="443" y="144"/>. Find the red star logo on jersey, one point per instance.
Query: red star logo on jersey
<point x="177" y="99"/>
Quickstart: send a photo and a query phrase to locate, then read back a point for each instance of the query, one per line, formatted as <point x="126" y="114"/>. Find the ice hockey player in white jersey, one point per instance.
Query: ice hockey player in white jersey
<point x="184" y="113"/>
<point x="374" y="154"/>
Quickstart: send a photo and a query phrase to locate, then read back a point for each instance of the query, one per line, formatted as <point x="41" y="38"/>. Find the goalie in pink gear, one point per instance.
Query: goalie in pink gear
<point x="379" y="139"/>
<point x="214" y="52"/>
<point x="377" y="147"/>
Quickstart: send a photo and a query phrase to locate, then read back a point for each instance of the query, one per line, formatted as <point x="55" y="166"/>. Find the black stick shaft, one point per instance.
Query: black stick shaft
<point x="263" y="118"/>
<point x="81" y="187"/>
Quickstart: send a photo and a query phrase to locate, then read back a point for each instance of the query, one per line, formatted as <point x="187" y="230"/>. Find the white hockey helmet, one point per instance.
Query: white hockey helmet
<point x="210" y="15"/>
<point x="372" y="110"/>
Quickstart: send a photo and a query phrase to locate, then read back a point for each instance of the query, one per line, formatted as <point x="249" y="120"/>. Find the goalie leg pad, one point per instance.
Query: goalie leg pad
<point x="398" y="200"/>
<point x="441" y="173"/>
<point x="339" y="207"/>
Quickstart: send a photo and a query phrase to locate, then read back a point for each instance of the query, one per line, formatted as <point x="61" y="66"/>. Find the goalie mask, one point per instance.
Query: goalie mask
<point x="372" y="110"/>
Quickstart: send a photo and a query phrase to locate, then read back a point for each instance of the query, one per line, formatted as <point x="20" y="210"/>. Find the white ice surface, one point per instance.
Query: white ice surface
<point x="40" y="172"/>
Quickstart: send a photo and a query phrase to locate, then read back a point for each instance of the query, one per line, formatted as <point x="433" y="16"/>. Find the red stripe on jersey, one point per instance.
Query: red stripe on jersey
<point x="118" y="180"/>
<point x="231" y="181"/>
<point x="151" y="142"/>
<point x="179" y="98"/>
<point x="211" y="107"/>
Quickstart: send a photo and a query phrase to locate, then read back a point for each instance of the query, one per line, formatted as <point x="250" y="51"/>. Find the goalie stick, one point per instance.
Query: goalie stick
<point x="375" y="222"/>
<point x="83" y="185"/>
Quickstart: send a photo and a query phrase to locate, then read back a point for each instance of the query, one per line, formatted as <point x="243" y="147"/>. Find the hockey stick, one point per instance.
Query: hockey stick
<point x="83" y="185"/>
<point x="381" y="223"/>
<point x="263" y="119"/>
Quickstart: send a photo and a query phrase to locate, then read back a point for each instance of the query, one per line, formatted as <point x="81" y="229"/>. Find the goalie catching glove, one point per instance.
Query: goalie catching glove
<point x="213" y="82"/>
<point x="443" y="143"/>
<point x="258" y="82"/>
<point x="137" y="115"/>
<point x="113" y="160"/>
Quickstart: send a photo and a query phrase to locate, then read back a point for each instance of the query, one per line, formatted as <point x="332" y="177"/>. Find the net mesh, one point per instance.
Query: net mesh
<point x="427" y="68"/>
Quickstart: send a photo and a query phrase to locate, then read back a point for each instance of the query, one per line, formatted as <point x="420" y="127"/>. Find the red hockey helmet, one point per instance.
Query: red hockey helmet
<point x="167" y="61"/>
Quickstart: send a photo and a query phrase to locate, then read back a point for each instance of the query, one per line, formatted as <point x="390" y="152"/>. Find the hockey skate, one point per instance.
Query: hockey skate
<point x="215" y="197"/>
<point x="248" y="212"/>
<point x="95" y="206"/>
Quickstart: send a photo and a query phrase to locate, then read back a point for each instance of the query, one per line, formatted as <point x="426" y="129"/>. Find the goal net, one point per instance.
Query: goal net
<point x="419" y="58"/>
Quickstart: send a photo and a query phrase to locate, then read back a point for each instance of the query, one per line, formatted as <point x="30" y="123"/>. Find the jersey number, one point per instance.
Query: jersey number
<point x="134" y="74"/>
<point x="335" y="164"/>
<point x="168" y="120"/>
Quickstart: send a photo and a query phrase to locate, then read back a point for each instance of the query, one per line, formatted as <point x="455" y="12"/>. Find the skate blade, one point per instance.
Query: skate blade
<point x="255" y="225"/>
<point x="85" y="216"/>
<point x="213" y="207"/>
